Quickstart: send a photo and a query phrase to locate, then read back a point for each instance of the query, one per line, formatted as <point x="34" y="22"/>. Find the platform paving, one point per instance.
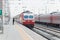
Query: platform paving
<point x="18" y="32"/>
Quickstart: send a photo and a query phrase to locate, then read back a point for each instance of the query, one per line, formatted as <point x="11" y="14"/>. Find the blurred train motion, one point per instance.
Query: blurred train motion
<point x="26" y="18"/>
<point x="52" y="19"/>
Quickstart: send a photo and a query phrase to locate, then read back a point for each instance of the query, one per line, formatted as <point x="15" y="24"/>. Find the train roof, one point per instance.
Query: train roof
<point x="27" y="12"/>
<point x="55" y="13"/>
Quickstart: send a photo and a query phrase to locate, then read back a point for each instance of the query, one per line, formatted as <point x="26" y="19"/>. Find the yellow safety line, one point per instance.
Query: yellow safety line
<point x="24" y="35"/>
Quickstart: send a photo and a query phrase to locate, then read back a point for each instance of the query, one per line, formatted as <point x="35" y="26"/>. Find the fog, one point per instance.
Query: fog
<point x="35" y="6"/>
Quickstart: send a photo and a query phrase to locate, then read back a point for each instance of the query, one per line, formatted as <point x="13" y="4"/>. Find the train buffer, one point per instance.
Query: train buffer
<point x="19" y="32"/>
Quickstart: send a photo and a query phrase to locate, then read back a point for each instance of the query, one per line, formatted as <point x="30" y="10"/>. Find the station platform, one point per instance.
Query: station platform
<point x="19" y="32"/>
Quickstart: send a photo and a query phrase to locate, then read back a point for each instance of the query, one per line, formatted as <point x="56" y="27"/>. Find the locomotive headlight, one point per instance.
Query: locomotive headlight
<point x="22" y="20"/>
<point x="33" y="21"/>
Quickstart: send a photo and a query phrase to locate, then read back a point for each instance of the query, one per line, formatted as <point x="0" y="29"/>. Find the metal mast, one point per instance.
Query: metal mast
<point x="1" y="17"/>
<point x="6" y="12"/>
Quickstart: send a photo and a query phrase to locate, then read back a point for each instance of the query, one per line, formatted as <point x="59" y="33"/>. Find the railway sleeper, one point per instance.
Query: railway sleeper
<point x="49" y="24"/>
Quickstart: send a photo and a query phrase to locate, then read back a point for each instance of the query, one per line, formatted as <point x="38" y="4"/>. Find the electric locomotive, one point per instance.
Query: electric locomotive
<point x="27" y="19"/>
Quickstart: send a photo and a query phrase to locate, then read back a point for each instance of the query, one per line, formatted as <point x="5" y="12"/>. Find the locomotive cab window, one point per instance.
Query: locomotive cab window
<point x="30" y="16"/>
<point x="26" y="16"/>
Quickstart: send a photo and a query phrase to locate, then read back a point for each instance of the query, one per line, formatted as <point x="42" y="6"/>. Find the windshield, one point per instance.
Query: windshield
<point x="26" y="16"/>
<point x="30" y="16"/>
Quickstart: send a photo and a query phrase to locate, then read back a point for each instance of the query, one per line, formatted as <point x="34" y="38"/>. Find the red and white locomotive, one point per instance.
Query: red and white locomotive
<point x="52" y="19"/>
<point x="27" y="19"/>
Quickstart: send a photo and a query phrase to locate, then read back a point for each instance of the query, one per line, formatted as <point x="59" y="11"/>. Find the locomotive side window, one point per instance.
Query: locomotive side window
<point x="30" y="16"/>
<point x="25" y="16"/>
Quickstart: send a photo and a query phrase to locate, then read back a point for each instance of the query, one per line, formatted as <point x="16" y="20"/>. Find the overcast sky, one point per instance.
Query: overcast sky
<point x="36" y="6"/>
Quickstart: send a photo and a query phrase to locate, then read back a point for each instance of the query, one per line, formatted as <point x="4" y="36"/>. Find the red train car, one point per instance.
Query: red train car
<point x="27" y="19"/>
<point x="52" y="19"/>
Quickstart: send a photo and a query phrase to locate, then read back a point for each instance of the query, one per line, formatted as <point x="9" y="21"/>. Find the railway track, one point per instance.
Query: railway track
<point x="50" y="33"/>
<point x="49" y="30"/>
<point x="57" y="30"/>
